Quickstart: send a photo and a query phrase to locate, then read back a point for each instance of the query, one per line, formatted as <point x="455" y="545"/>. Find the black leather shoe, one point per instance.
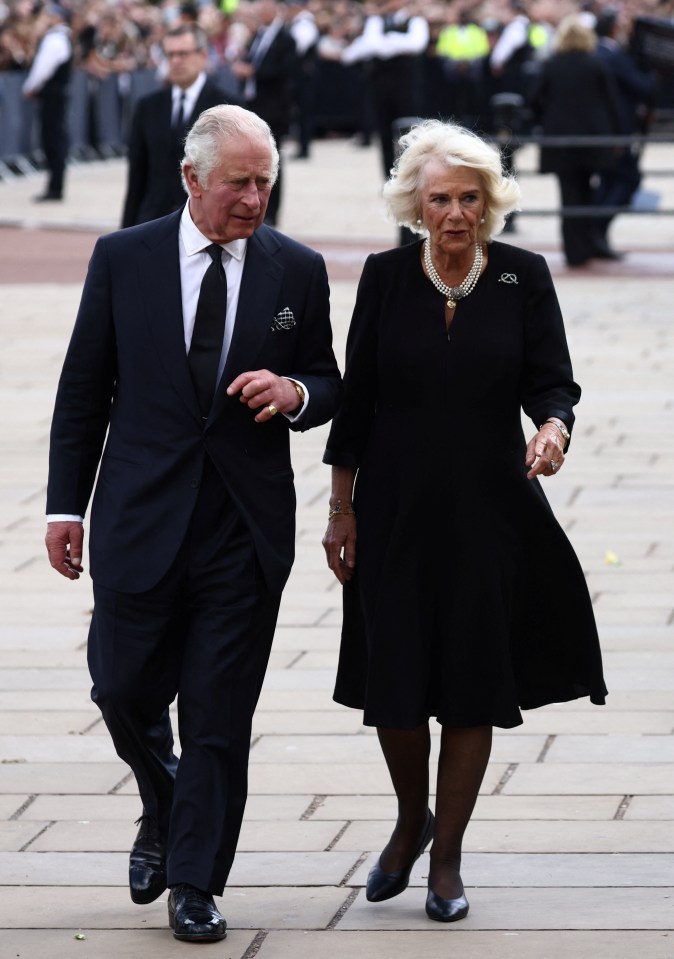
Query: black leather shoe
<point x="147" y="863"/>
<point x="48" y="198"/>
<point x="602" y="251"/>
<point x="385" y="885"/>
<point x="193" y="916"/>
<point x="446" y="910"/>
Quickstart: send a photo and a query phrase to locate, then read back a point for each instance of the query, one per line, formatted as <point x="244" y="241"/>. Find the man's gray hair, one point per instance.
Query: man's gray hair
<point x="222" y="123"/>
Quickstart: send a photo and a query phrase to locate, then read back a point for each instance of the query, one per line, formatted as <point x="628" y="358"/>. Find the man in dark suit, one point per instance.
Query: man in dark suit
<point x="266" y="75"/>
<point x="185" y="356"/>
<point x="160" y="123"/>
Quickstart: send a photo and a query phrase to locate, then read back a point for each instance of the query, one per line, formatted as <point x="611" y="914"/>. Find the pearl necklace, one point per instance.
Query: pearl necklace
<point x="454" y="293"/>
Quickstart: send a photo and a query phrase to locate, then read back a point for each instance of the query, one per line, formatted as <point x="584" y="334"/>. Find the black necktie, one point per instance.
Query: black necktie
<point x="209" y="329"/>
<point x="180" y="118"/>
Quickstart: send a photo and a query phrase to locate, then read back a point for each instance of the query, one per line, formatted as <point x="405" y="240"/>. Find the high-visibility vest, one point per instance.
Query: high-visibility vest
<point x="462" y="42"/>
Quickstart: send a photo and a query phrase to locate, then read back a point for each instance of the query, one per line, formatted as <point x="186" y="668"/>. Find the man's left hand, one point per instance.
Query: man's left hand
<point x="262" y="388"/>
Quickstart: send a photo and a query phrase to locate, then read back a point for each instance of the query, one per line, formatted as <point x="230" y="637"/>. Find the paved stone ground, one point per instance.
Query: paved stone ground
<point x="571" y="850"/>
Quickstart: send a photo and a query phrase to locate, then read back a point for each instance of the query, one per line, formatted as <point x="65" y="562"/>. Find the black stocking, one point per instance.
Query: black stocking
<point x="406" y="752"/>
<point x="464" y="754"/>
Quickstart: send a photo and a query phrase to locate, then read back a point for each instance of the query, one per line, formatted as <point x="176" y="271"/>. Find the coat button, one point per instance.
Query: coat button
<point x="194" y="484"/>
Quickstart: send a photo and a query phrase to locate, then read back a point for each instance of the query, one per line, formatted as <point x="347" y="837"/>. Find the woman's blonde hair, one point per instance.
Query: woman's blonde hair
<point x="454" y="146"/>
<point x="573" y="33"/>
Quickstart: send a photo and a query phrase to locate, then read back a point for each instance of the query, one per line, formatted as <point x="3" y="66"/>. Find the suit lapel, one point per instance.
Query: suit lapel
<point x="159" y="279"/>
<point x="258" y="297"/>
<point x="202" y="103"/>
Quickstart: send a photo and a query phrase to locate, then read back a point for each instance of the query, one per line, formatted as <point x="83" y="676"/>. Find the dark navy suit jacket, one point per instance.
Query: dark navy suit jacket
<point x="126" y="375"/>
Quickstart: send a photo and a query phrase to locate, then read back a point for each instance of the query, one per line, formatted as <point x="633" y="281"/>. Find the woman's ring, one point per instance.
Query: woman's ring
<point x="272" y="410"/>
<point x="553" y="466"/>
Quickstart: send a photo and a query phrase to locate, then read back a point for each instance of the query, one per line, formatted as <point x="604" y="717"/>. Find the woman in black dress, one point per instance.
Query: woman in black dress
<point x="463" y="599"/>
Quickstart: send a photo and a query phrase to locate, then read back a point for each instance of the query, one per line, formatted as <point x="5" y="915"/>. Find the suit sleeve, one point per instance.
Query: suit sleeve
<point x="316" y="366"/>
<point x="351" y="426"/>
<point x="84" y="395"/>
<point x="137" y="168"/>
<point x="547" y="385"/>
<point x="279" y="62"/>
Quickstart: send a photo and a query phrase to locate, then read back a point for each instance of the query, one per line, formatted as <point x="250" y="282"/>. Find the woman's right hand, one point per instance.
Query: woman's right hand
<point x="339" y="544"/>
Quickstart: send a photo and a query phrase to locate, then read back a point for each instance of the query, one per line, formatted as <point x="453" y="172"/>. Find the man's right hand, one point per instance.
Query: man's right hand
<point x="64" y="541"/>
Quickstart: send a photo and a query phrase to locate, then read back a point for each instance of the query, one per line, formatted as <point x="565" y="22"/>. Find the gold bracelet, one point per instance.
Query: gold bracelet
<point x="339" y="510"/>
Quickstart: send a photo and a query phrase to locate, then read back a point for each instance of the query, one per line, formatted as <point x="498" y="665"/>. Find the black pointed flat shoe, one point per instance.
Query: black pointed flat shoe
<point x="147" y="862"/>
<point x="193" y="915"/>
<point x="446" y="910"/>
<point x="385" y="885"/>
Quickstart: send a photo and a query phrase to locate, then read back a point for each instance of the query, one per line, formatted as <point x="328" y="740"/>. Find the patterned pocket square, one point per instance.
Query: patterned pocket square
<point x="285" y="320"/>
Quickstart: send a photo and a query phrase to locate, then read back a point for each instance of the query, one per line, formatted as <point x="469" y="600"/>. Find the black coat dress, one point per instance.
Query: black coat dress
<point x="468" y="601"/>
<point x="576" y="96"/>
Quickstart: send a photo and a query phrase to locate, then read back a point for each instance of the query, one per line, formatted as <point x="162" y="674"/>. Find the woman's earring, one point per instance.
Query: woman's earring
<point x="482" y="220"/>
<point x="419" y="221"/>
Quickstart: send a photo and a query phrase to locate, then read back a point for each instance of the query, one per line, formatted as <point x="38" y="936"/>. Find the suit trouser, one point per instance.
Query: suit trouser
<point x="575" y="187"/>
<point x="203" y="634"/>
<point x="54" y="137"/>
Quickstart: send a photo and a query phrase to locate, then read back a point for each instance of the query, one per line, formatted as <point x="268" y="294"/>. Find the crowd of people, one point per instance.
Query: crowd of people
<point x="469" y="50"/>
<point x="310" y="66"/>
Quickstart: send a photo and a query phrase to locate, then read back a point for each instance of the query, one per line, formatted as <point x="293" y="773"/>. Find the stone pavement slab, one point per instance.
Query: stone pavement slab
<point x="590" y="778"/>
<point x="102" y="907"/>
<point x="532" y="908"/>
<point x="466" y="945"/>
<point x="651" y="807"/>
<point x="61" y="777"/>
<point x="503" y="835"/>
<point x="506" y="808"/>
<point x="553" y="870"/>
<point x="117" y="944"/>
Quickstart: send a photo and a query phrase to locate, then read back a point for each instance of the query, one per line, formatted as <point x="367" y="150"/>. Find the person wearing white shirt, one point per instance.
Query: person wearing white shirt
<point x="48" y="81"/>
<point x="392" y="42"/>
<point x="304" y="31"/>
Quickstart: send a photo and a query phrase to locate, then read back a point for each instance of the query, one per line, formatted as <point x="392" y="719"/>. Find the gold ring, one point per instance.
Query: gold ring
<point x="272" y="410"/>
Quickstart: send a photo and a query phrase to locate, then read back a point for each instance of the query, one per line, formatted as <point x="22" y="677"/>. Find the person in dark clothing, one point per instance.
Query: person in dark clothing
<point x="637" y="90"/>
<point x="393" y="44"/>
<point x="48" y="81"/>
<point x="266" y="76"/>
<point x="202" y="339"/>
<point x="576" y="96"/>
<point x="437" y="522"/>
<point x="160" y="123"/>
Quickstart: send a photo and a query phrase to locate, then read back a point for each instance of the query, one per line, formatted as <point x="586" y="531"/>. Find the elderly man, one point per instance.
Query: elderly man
<point x="202" y="338"/>
<point x="160" y="123"/>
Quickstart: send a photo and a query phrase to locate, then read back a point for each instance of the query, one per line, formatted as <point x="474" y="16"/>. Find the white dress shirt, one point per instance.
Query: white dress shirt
<point x="376" y="42"/>
<point x="191" y="97"/>
<point x="54" y="49"/>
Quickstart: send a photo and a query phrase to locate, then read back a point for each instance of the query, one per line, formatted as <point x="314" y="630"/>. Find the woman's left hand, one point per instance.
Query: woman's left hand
<point x="545" y="452"/>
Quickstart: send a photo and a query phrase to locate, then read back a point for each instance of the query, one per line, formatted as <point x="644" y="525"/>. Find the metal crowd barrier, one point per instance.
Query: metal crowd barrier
<point x="99" y="114"/>
<point x="510" y="142"/>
